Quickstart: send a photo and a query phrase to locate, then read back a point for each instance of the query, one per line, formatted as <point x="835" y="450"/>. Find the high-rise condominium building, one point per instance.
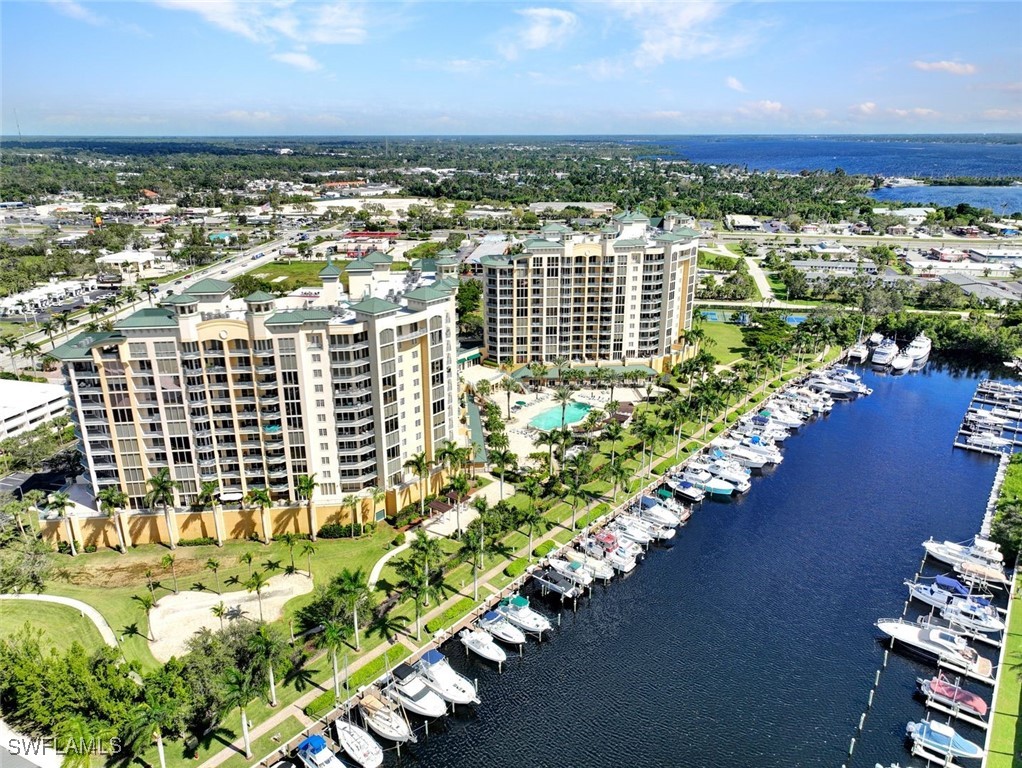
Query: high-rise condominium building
<point x="624" y="294"/>
<point x="256" y="392"/>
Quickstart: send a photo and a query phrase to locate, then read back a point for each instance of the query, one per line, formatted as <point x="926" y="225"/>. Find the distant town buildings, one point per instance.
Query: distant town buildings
<point x="25" y="405"/>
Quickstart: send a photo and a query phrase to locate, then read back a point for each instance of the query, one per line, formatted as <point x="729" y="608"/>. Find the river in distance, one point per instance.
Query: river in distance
<point x="750" y="642"/>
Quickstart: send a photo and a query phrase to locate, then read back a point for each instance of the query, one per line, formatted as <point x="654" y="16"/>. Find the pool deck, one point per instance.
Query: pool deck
<point x="521" y="435"/>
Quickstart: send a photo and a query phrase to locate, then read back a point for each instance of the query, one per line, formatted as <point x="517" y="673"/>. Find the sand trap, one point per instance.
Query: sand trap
<point x="177" y="617"/>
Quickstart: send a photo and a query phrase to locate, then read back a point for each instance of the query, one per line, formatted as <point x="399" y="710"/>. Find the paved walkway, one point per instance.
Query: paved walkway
<point x="374" y="574"/>
<point x="85" y="609"/>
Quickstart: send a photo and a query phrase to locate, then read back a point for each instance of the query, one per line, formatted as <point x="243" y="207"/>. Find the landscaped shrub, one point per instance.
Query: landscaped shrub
<point x="280" y="537"/>
<point x="90" y="548"/>
<point x="65" y="549"/>
<point x="451" y="615"/>
<point x="399" y="539"/>
<point x="320" y="705"/>
<point x="201" y="541"/>
<point x="516" y="568"/>
<point x="335" y="531"/>
<point x="544" y="549"/>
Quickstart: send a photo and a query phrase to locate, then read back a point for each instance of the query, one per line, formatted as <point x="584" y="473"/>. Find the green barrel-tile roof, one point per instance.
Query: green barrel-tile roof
<point x="150" y="317"/>
<point x="180" y="298"/>
<point x="80" y="347"/>
<point x="208" y="286"/>
<point x="427" y="293"/>
<point x="259" y="297"/>
<point x="374" y="306"/>
<point x="299" y="316"/>
<point x="359" y="265"/>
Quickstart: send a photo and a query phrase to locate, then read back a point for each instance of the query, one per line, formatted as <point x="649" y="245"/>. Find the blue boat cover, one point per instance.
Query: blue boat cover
<point x="432" y="657"/>
<point x="648" y="502"/>
<point x="755" y="440"/>
<point x="313" y="744"/>
<point x="717" y="453"/>
<point x="952" y="585"/>
<point x="492" y="616"/>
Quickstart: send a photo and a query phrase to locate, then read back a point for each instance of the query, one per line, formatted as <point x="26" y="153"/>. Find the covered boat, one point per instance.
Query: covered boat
<point x="437" y="674"/>
<point x="942" y="740"/>
<point x="315" y="753"/>
<point x="943" y="690"/>
<point x="497" y="625"/>
<point x="517" y="610"/>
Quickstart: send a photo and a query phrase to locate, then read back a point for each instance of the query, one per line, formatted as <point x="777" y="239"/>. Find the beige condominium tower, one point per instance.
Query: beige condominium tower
<point x="624" y="294"/>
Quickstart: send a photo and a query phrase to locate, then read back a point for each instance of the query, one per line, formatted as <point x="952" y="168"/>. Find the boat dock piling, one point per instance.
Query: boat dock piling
<point x="1002" y="405"/>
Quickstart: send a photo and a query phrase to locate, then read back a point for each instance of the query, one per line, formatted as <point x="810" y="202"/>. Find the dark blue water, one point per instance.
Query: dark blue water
<point x="750" y="642"/>
<point x="920" y="156"/>
<point x="1000" y="200"/>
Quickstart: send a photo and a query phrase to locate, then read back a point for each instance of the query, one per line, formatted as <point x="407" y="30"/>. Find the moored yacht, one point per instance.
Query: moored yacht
<point x="409" y="690"/>
<point x="516" y="609"/>
<point x="943" y="690"/>
<point x="497" y="625"/>
<point x="657" y="511"/>
<point x="859" y="352"/>
<point x="314" y="752"/>
<point x="900" y="363"/>
<point x="684" y="489"/>
<point x="947" y="646"/>
<point x="885" y="352"/>
<point x="981" y="551"/>
<point x="358" y="744"/>
<point x="732" y="472"/>
<point x="919" y="347"/>
<point x="702" y="479"/>
<point x="438" y="676"/>
<point x="942" y="740"/>
<point x="480" y="642"/>
<point x="599" y="568"/>
<point x="384" y="717"/>
<point x="988" y="440"/>
<point x="575" y="572"/>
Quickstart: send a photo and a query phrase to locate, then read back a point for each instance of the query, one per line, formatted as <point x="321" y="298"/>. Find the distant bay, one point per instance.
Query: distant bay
<point x="1000" y="200"/>
<point x="914" y="156"/>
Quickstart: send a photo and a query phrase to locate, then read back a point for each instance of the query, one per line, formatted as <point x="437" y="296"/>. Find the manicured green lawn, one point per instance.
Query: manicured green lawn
<point x="1006" y="738"/>
<point x="60" y="625"/>
<point x="728" y="345"/>
<point x="302" y="273"/>
<point x="266" y="744"/>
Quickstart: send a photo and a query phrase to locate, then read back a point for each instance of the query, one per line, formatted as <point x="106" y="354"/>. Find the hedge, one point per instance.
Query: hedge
<point x="516" y="568"/>
<point x="545" y="548"/>
<point x="323" y="703"/>
<point x="451" y="615"/>
<point x="595" y="513"/>
<point x="201" y="541"/>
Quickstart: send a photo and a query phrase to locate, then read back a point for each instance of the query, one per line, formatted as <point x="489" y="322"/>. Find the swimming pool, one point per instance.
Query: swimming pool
<point x="551" y="418"/>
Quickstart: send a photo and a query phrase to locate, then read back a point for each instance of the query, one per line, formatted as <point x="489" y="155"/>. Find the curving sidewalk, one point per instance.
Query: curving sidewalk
<point x="83" y="608"/>
<point x="374" y="574"/>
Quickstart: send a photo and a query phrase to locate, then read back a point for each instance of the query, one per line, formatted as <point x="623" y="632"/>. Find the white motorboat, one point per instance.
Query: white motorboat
<point x="516" y="609"/>
<point x="919" y="347"/>
<point x="988" y="440"/>
<point x="849" y="377"/>
<point x="656" y="530"/>
<point x="628" y="530"/>
<point x="986" y="419"/>
<point x="480" y="642"/>
<point x="756" y="446"/>
<point x="876" y="338"/>
<point x="600" y="569"/>
<point x="833" y="388"/>
<point x="497" y="625"/>
<point x="674" y="506"/>
<point x="358" y="744"/>
<point x="410" y="691"/>
<point x="731" y="472"/>
<point x="885" y="352"/>
<point x="1007" y="412"/>
<point x="900" y="363"/>
<point x="981" y="551"/>
<point x="575" y="572"/>
<point x="977" y="573"/>
<point x="556" y="582"/>
<point x="612" y="553"/>
<point x="942" y="740"/>
<point x="859" y="352"/>
<point x="947" y="646"/>
<point x="384" y="717"/>
<point x="782" y="416"/>
<point x="314" y="752"/>
<point x="703" y="480"/>
<point x="685" y="489"/>
<point x="726" y="448"/>
<point x="657" y="511"/>
<point x="941" y="591"/>
<point x="437" y="674"/>
<point x="970" y="613"/>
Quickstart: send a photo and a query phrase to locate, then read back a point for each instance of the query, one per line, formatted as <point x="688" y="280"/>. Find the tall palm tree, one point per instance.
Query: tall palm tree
<point x="95" y="310"/>
<point x="446" y="456"/>
<point x="261" y="498"/>
<point x="111" y="499"/>
<point x="616" y="471"/>
<point x="306" y="487"/>
<point x="81" y="737"/>
<point x="309" y="550"/>
<point x="538" y="371"/>
<point x="533" y="521"/>
<point x="509" y="385"/>
<point x="503" y="460"/>
<point x="150" y="289"/>
<point x="268" y="649"/>
<point x="148" y="720"/>
<point x="561" y="364"/>
<point x="371" y="498"/>
<point x="247" y="559"/>
<point x="332" y="638"/>
<point x="256" y="583"/>
<point x="48" y="327"/>
<point x="128" y="295"/>
<point x="459" y="487"/>
<point x="214" y="565"/>
<point x="220" y="611"/>
<point x="147" y="602"/>
<point x="161" y="491"/>
<point x="352" y="588"/>
<point x="240" y="689"/>
<point x="290" y="541"/>
<point x="60" y="502"/>
<point x="416" y="583"/>
<point x="31" y="350"/>
<point x="420" y="465"/>
<point x="426" y="552"/>
<point x="10" y="342"/>
<point x="169" y="561"/>
<point x="562" y="396"/>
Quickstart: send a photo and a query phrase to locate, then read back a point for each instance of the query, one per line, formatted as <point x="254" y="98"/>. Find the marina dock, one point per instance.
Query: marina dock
<point x="992" y="423"/>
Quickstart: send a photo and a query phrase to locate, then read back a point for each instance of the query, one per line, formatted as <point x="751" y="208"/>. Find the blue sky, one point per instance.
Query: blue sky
<point x="227" y="67"/>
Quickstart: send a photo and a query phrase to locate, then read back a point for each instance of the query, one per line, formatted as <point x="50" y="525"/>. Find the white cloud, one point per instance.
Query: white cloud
<point x="544" y="28"/>
<point x="250" y="117"/>
<point x="951" y="67"/>
<point x="225" y="14"/>
<point x="865" y="109"/>
<point x="763" y="107"/>
<point x="77" y="11"/>
<point x="913" y="112"/>
<point x="735" y="84"/>
<point x="338" y="24"/>
<point x="1003" y="114"/>
<point x="297" y="59"/>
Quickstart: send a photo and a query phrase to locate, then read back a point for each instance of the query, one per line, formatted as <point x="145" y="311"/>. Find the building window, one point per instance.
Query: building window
<point x="319" y="388"/>
<point x="317" y="373"/>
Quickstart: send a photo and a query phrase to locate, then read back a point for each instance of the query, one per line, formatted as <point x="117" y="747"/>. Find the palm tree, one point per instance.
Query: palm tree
<point x="207" y="494"/>
<point x="147" y="602"/>
<point x="128" y="295"/>
<point x="503" y="460"/>
<point x="533" y="520"/>
<point x="261" y="498"/>
<point x="31" y="350"/>
<point x="306" y="486"/>
<point x="149" y="288"/>
<point x="148" y="720"/>
<point x="94" y="311"/>
<point x="169" y="561"/>
<point x="561" y="364"/>
<point x="372" y="497"/>
<point x="256" y="582"/>
<point x="509" y="385"/>
<point x="549" y="439"/>
<point x="214" y="565"/>
<point x="351" y="502"/>
<point x="48" y="327"/>
<point x="332" y="638"/>
<point x="291" y="541"/>
<point x="562" y="396"/>
<point x="81" y="737"/>
<point x="10" y="342"/>
<point x="352" y="587"/>
<point x="308" y="550"/>
<point x="268" y="649"/>
<point x="538" y="371"/>
<point x="110" y="500"/>
<point x="459" y="487"/>
<point x="615" y="470"/>
<point x="415" y="582"/>
<point x="60" y="502"/>
<point x="575" y="479"/>
<point x="220" y="610"/>
<point x="161" y="491"/>
<point x="426" y="552"/>
<point x="420" y="465"/>
<point x="240" y="689"/>
<point x="447" y="455"/>
<point x="247" y="559"/>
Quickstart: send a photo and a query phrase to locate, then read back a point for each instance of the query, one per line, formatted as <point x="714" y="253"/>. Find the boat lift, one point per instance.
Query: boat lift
<point x="945" y="761"/>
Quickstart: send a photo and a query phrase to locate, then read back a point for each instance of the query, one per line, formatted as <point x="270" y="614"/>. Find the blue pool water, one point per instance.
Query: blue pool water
<point x="551" y="418"/>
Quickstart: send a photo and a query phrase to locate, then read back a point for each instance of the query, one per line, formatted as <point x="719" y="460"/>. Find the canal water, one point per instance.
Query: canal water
<point x="750" y="641"/>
